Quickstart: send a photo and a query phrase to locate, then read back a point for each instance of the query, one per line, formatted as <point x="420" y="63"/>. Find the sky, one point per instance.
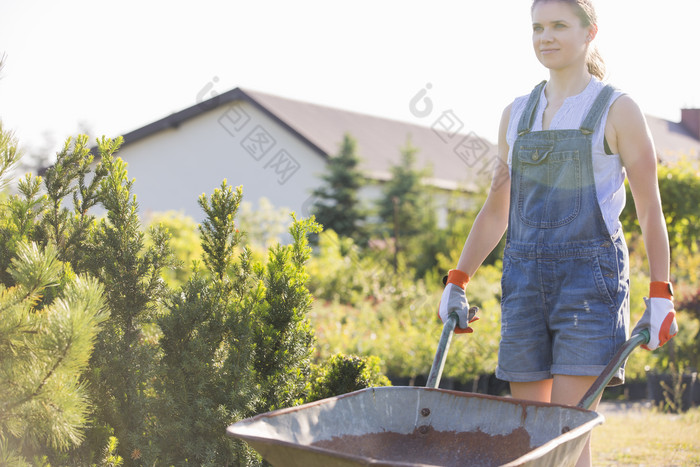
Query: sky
<point x="109" y="67"/>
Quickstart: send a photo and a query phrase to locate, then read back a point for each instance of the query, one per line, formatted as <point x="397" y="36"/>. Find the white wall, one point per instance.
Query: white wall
<point x="239" y="143"/>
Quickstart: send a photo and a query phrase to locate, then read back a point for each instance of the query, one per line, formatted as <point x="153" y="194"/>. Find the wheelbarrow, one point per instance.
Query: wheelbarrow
<point x="427" y="426"/>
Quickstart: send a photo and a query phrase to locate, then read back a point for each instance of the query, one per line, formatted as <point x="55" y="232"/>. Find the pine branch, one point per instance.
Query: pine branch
<point x="43" y="382"/>
<point x="9" y="154"/>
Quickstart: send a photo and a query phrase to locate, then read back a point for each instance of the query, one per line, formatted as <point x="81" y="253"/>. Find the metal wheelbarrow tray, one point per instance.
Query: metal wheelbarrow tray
<point x="426" y="426"/>
<point x="418" y="426"/>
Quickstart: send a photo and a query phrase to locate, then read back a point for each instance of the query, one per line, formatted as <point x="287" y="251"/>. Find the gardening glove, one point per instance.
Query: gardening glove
<point x="659" y="316"/>
<point x="455" y="300"/>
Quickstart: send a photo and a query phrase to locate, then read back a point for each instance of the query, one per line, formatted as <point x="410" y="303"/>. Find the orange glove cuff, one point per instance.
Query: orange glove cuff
<point x="660" y="289"/>
<point x="458" y="278"/>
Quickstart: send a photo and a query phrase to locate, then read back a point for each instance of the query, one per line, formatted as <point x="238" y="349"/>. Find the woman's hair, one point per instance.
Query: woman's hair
<point x="586" y="12"/>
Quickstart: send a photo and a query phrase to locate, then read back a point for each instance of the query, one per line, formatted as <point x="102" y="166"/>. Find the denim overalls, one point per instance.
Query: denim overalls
<point x="565" y="303"/>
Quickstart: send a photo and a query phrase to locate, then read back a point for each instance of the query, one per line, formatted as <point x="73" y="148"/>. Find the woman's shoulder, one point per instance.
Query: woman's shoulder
<point x="623" y="106"/>
<point x="624" y="103"/>
<point x="625" y="113"/>
<point x="625" y="122"/>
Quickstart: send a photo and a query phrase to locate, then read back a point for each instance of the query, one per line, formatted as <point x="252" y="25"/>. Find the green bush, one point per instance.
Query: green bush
<point x="679" y="185"/>
<point x="184" y="242"/>
<point x="399" y="324"/>
<point x="338" y="272"/>
<point x="342" y="374"/>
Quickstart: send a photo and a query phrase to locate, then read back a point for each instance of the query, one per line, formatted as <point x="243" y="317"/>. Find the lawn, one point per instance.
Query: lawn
<point x="638" y="435"/>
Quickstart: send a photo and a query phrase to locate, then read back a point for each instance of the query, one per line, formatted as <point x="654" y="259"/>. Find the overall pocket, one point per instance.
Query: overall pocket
<point x="549" y="185"/>
<point x="611" y="272"/>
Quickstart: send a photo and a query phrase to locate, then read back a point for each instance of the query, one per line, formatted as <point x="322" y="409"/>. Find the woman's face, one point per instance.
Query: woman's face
<point x="559" y="39"/>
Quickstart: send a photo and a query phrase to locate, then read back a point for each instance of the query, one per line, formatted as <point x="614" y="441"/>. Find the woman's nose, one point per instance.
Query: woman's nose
<point x="546" y="36"/>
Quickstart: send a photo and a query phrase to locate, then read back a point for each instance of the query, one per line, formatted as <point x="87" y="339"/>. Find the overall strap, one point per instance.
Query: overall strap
<point x="597" y="110"/>
<point x="528" y="116"/>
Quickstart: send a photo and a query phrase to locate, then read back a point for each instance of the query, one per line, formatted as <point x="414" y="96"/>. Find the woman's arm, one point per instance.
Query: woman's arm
<point x="492" y="220"/>
<point x="631" y="138"/>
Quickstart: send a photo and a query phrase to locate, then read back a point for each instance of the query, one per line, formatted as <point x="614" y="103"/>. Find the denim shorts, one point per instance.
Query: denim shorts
<point x="566" y="313"/>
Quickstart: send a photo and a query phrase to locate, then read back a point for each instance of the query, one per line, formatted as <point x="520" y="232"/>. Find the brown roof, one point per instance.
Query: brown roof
<point x="456" y="158"/>
<point x="673" y="140"/>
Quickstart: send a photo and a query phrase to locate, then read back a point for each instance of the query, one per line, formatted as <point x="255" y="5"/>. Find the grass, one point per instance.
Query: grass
<point x="639" y="435"/>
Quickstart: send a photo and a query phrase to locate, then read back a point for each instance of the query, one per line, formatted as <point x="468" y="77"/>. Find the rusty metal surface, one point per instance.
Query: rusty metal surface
<point x="556" y="433"/>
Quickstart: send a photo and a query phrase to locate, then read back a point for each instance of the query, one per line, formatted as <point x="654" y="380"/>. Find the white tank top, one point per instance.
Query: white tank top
<point x="608" y="171"/>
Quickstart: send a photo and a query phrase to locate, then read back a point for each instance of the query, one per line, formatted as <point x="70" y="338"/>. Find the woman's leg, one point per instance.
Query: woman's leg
<point x="569" y="390"/>
<point x="540" y="391"/>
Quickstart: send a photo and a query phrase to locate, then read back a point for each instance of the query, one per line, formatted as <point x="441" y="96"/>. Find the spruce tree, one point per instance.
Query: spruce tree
<point x="337" y="205"/>
<point x="72" y="181"/>
<point x="235" y="341"/>
<point x="205" y="380"/>
<point x="123" y="366"/>
<point x="407" y="212"/>
<point x="283" y="337"/>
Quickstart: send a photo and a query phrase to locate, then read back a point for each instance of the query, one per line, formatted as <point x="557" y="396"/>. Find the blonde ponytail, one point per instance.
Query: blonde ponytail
<point x="595" y="63"/>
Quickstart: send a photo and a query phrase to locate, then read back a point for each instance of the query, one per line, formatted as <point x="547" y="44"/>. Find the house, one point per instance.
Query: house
<point x="277" y="148"/>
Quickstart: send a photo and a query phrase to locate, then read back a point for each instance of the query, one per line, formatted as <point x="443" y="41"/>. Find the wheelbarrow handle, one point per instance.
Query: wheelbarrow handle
<point x="443" y="346"/>
<point x="616" y="362"/>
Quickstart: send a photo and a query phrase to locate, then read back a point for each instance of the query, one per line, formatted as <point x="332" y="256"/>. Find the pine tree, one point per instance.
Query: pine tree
<point x="44" y="347"/>
<point x="19" y="211"/>
<point x="49" y="318"/>
<point x="338" y="206"/>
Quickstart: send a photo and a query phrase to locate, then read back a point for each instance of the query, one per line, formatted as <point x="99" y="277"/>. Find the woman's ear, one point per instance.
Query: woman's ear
<point x="592" y="32"/>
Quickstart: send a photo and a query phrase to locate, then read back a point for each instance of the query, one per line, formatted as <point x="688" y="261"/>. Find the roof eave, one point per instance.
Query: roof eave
<point x="174" y="120"/>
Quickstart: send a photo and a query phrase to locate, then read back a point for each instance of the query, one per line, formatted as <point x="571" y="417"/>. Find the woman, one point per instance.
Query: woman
<point x="565" y="151"/>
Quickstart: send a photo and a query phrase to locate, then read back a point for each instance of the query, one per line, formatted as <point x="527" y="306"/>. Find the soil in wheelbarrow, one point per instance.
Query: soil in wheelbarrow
<point x="428" y="446"/>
